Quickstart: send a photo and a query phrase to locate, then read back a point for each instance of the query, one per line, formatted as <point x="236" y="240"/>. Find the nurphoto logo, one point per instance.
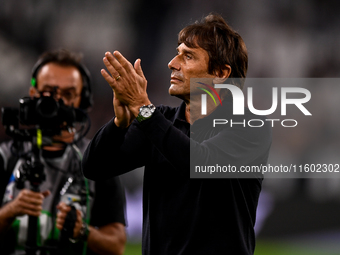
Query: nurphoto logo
<point x="204" y="97"/>
<point x="239" y="103"/>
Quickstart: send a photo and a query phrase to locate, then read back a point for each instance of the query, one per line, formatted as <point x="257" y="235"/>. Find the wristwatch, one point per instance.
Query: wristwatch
<point x="83" y="234"/>
<point x="145" y="112"/>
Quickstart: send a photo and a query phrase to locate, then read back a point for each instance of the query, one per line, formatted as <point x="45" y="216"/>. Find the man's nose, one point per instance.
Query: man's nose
<point x="57" y="95"/>
<point x="174" y="64"/>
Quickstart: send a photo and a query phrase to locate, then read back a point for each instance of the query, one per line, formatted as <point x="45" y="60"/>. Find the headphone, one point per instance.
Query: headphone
<point x="86" y="93"/>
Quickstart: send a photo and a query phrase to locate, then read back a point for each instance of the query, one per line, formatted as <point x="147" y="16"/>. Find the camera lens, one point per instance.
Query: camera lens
<point x="47" y="107"/>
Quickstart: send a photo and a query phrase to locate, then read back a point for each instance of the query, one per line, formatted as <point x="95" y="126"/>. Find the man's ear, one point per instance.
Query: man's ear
<point x="32" y="91"/>
<point x="221" y="76"/>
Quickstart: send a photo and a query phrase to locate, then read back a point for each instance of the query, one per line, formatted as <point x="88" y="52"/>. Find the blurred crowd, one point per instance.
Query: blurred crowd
<point x="285" y="39"/>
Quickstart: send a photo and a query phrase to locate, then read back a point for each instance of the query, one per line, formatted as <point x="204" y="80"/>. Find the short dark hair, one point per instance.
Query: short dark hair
<point x="66" y="58"/>
<point x="223" y="44"/>
<point x="61" y="57"/>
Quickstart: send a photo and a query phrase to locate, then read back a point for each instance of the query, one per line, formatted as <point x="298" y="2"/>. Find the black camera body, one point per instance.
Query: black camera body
<point x="44" y="113"/>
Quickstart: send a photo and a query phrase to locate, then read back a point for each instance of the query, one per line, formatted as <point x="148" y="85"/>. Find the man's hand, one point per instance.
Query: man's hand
<point x="27" y="202"/>
<point x="61" y="216"/>
<point x="129" y="85"/>
<point x="123" y="115"/>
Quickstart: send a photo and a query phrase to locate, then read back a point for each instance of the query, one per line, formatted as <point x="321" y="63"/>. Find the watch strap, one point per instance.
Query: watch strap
<point x="83" y="234"/>
<point x="140" y="117"/>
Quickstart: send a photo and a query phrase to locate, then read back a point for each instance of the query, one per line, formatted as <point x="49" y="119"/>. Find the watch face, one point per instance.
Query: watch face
<point x="146" y="112"/>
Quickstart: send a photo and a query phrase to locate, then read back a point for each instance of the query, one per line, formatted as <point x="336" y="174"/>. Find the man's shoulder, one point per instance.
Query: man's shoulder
<point x="5" y="154"/>
<point x="168" y="111"/>
<point x="5" y="149"/>
<point x="82" y="143"/>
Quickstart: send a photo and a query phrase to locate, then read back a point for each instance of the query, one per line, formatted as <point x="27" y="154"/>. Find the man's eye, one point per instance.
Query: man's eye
<point x="68" y="95"/>
<point x="187" y="56"/>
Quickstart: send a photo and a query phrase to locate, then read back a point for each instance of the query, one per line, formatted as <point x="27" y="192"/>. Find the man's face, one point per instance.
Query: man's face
<point x="65" y="81"/>
<point x="189" y="63"/>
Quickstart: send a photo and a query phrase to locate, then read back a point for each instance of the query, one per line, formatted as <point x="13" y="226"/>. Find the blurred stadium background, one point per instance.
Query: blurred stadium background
<point x="285" y="38"/>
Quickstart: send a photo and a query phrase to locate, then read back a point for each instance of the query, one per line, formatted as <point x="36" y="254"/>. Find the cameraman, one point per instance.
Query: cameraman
<point x="60" y="74"/>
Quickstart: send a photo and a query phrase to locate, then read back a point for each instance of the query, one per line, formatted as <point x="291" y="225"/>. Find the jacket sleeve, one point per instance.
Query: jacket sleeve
<point x="237" y="146"/>
<point x="114" y="151"/>
<point x="128" y="149"/>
